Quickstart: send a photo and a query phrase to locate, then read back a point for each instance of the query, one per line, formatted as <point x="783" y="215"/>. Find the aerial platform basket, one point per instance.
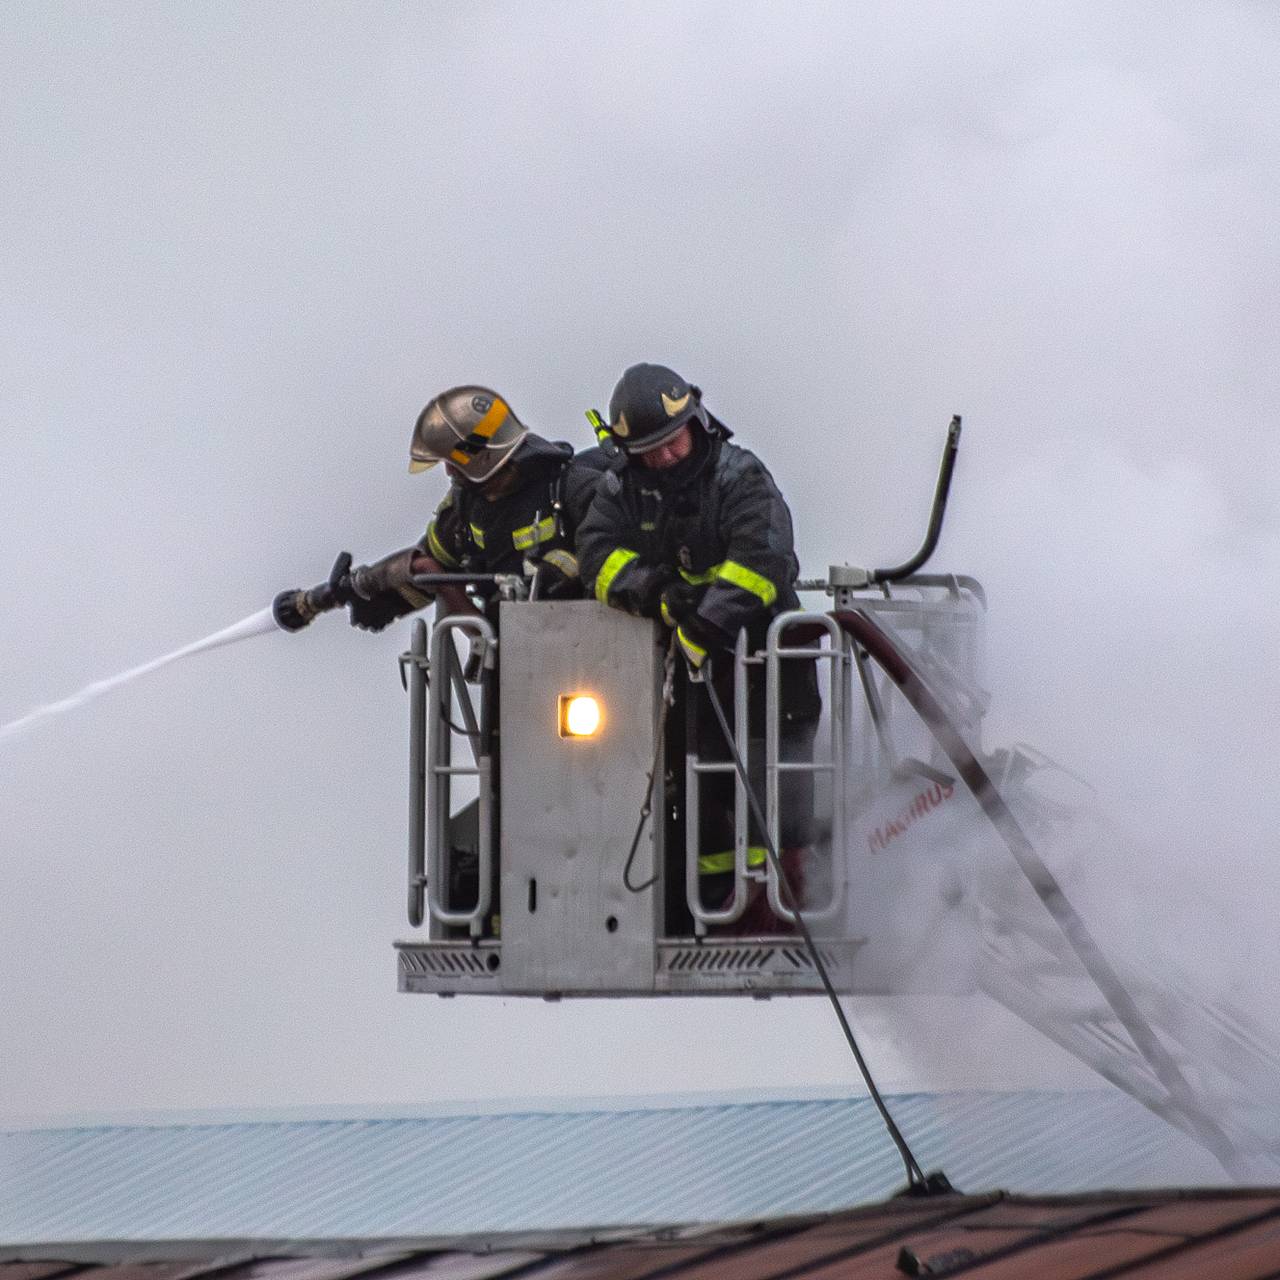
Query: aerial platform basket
<point x="530" y="870"/>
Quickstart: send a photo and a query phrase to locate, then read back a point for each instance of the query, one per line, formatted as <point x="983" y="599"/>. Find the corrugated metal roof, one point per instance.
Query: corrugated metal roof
<point x="530" y="1170"/>
<point x="1165" y="1235"/>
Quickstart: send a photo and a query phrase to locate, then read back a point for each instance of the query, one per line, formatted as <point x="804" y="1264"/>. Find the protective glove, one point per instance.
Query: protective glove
<point x="679" y="601"/>
<point x="699" y="638"/>
<point x="650" y="601"/>
<point x="382" y="592"/>
<point x="553" y="583"/>
<point x="380" y="612"/>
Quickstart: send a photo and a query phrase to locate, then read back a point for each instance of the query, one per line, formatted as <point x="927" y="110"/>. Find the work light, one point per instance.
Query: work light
<point x="580" y="715"/>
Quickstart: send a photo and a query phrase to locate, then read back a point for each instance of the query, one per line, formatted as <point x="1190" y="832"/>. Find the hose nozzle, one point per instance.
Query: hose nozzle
<point x="295" y="608"/>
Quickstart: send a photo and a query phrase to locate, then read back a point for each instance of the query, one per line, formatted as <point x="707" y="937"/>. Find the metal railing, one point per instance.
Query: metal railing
<point x="838" y="655"/>
<point x="435" y="706"/>
<point x="695" y="769"/>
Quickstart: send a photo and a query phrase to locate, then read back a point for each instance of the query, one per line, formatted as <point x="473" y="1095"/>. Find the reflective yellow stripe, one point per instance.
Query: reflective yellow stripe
<point x="530" y="535"/>
<point x="614" y="565"/>
<point x="666" y="614"/>
<point x="696" y="654"/>
<point x="478" y="534"/>
<point x="737" y="575"/>
<point x="740" y="576"/>
<point x="564" y="561"/>
<point x="713" y="864"/>
<point x="438" y="549"/>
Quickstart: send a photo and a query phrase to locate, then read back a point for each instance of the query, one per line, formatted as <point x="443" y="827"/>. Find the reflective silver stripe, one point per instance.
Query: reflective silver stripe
<point x="533" y="535"/>
<point x="564" y="561"/>
<point x="614" y="565"/>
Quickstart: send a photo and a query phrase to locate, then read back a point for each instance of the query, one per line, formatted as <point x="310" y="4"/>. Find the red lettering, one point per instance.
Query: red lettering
<point x="920" y="805"/>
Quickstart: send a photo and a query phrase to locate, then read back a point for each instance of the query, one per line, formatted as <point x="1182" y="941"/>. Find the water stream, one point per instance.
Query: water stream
<point x="256" y="625"/>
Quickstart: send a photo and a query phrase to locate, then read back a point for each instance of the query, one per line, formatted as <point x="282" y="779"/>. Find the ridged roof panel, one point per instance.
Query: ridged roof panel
<point x="532" y="1171"/>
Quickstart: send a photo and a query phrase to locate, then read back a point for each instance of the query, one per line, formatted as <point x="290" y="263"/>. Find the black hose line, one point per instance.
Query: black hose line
<point x="646" y="807"/>
<point x="917" y="1182"/>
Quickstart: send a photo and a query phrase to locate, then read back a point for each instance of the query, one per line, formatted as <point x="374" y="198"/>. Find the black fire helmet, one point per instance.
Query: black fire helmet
<point x="650" y="404"/>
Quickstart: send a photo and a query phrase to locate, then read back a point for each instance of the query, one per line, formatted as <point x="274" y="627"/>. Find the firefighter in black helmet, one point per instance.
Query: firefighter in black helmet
<point x="692" y="531"/>
<point x="512" y="508"/>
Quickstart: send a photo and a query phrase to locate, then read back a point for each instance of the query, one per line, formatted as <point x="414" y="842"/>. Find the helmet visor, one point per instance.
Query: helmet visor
<point x="653" y="442"/>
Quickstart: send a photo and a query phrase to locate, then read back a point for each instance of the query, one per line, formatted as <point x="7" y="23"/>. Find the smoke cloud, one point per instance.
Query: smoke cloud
<point x="243" y="246"/>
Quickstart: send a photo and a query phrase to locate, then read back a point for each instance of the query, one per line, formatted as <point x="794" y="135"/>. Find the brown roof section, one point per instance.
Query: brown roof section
<point x="1228" y="1235"/>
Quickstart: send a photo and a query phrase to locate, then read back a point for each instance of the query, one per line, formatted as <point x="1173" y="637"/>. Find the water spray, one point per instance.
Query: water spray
<point x="290" y="611"/>
<point x="255" y="625"/>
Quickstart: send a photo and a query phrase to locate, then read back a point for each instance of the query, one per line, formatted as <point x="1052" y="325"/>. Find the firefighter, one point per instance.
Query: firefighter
<point x="691" y="530"/>
<point x="512" y="508"/>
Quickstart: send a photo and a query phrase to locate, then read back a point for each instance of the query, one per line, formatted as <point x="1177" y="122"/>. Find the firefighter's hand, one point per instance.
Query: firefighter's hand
<point x="679" y="601"/>
<point x="555" y="584"/>
<point x="699" y="639"/>
<point x="379" y="612"/>
<point x="393" y="573"/>
<point x="659" y="580"/>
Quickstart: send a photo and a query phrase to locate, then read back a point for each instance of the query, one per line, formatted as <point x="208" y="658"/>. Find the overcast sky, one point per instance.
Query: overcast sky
<point x="241" y="245"/>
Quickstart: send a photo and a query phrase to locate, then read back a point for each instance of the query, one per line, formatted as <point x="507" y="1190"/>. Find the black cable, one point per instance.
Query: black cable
<point x="668" y="682"/>
<point x="915" y="1174"/>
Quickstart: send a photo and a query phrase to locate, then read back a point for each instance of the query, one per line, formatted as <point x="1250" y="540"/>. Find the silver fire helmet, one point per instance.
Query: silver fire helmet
<point x="471" y="427"/>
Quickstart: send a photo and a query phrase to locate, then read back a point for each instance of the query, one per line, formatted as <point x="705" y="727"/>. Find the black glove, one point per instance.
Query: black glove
<point x="650" y="601"/>
<point x="700" y="638"/>
<point x="554" y="584"/>
<point x="380" y="612"/>
<point x="679" y="600"/>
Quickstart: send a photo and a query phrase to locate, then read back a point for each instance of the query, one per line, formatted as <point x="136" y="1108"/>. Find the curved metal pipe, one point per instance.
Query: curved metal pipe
<point x="935" y="516"/>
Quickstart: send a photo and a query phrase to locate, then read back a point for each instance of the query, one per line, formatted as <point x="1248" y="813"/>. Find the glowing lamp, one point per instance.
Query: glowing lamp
<point x="579" y="715"/>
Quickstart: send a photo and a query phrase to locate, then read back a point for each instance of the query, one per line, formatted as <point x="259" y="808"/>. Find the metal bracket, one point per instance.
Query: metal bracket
<point x="420" y="661"/>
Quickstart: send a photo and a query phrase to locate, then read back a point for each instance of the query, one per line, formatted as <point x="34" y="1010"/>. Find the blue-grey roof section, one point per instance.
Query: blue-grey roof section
<point x="534" y="1170"/>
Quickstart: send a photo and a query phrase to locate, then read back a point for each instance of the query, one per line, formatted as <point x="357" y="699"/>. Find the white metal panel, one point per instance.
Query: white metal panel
<point x="569" y="807"/>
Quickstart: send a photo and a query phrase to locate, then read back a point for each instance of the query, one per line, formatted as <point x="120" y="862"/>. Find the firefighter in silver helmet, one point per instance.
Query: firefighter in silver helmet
<point x="512" y="508"/>
<point x="691" y="530"/>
